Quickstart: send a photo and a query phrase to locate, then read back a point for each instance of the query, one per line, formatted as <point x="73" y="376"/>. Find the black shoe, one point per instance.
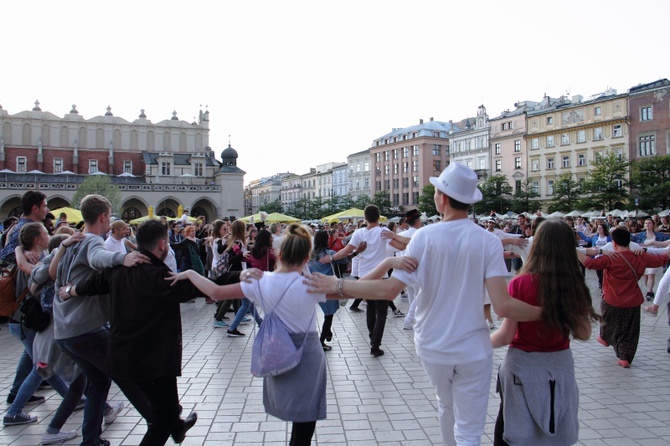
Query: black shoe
<point x="234" y="333"/>
<point x="356" y="309"/>
<point x="329" y="337"/>
<point x="650" y="297"/>
<point x="179" y="433"/>
<point x="32" y="400"/>
<point x="376" y="352"/>
<point x="102" y="442"/>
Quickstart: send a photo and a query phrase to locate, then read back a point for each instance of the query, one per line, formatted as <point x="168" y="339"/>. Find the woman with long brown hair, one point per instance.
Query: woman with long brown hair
<point x="235" y="250"/>
<point x="539" y="366"/>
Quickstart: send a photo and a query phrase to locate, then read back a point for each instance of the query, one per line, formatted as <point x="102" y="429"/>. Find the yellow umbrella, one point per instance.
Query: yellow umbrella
<point x="274" y="217"/>
<point x="73" y="215"/>
<point x="353" y="213"/>
<point x="139" y="220"/>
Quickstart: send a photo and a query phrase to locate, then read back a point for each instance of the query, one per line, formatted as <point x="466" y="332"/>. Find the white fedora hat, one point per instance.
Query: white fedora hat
<point x="458" y="182"/>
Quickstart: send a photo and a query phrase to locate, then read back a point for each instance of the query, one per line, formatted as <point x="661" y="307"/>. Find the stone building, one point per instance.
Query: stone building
<point x="649" y="113"/>
<point x="163" y="165"/>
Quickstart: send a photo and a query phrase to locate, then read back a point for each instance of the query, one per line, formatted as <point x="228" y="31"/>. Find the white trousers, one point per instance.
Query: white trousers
<point x="462" y="392"/>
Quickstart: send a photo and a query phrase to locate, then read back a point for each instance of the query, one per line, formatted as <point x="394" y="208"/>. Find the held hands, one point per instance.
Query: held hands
<point x="134" y="258"/>
<point x="320" y="283"/>
<point x="74" y="238"/>
<point x="363" y="246"/>
<point x="251" y="273"/>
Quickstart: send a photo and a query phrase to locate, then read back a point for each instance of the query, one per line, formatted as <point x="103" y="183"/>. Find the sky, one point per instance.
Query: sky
<point x="294" y="84"/>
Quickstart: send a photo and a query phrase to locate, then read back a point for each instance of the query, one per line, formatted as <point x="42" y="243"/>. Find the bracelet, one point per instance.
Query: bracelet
<point x="340" y="287"/>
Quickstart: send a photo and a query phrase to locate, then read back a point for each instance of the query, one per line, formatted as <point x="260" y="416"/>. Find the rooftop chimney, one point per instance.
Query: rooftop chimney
<point x="431" y="119"/>
<point x="420" y="121"/>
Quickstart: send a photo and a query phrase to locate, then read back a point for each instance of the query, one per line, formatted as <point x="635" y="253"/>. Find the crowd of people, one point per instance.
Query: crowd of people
<point x="107" y="326"/>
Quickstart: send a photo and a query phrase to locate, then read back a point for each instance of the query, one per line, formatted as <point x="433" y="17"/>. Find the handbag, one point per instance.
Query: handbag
<point x="8" y="301"/>
<point x="274" y="352"/>
<point x="33" y="317"/>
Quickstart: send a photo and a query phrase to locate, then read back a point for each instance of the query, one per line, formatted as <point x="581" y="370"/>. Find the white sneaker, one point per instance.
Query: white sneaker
<point x="113" y="412"/>
<point x="59" y="437"/>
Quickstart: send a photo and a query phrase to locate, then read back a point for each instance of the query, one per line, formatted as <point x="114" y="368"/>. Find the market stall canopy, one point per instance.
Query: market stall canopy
<point x="73" y="215"/>
<point x="353" y="214"/>
<point x="274" y="217"/>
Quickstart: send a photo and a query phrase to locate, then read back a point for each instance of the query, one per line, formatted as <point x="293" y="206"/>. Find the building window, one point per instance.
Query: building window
<point x="581" y="160"/>
<point x="550" y="187"/>
<point x="396" y="183"/>
<point x="58" y="165"/>
<point x="617" y="131"/>
<point x="597" y="133"/>
<point x="415" y="166"/>
<point x="165" y="168"/>
<point x="415" y="181"/>
<point x="128" y="167"/>
<point x="581" y="135"/>
<point x="517" y="162"/>
<point x="415" y="198"/>
<point x="550" y="163"/>
<point x="647" y="145"/>
<point x="21" y="164"/>
<point x="565" y="139"/>
<point x="366" y="166"/>
<point x="378" y="157"/>
<point x="387" y="170"/>
<point x="517" y="145"/>
<point x="396" y="199"/>
<point x="535" y="165"/>
<point x="498" y="165"/>
<point x="198" y="169"/>
<point x="566" y="161"/>
<point x="646" y="113"/>
<point x="396" y="154"/>
<point x="535" y="187"/>
<point x="598" y="111"/>
<point x="497" y="148"/>
<point x="378" y="186"/>
<point x="395" y="169"/>
<point x="405" y="198"/>
<point x="405" y="182"/>
<point x="436" y="149"/>
<point x="550" y="120"/>
<point x="534" y="144"/>
<point x="386" y="155"/>
<point x="405" y="167"/>
<point x="415" y="150"/>
<point x="437" y="165"/>
<point x="550" y="141"/>
<point x="92" y="166"/>
<point x="387" y="184"/>
<point x="517" y="185"/>
<point x="405" y="152"/>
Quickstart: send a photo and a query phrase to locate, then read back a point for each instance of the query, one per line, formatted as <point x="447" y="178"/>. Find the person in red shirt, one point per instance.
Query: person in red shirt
<point x="622" y="297"/>
<point x="539" y="366"/>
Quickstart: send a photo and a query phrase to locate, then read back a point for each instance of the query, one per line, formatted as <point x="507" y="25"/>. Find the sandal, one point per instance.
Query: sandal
<point x="326" y="348"/>
<point x="651" y="311"/>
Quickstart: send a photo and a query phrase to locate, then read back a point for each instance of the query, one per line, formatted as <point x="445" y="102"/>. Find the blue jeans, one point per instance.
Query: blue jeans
<point x="23" y="368"/>
<point x="88" y="351"/>
<point x="33" y="380"/>
<point x="246" y="306"/>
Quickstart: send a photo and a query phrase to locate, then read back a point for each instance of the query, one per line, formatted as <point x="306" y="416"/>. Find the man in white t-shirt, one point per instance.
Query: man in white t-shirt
<point x="117" y="241"/>
<point x="457" y="261"/>
<point x="373" y="255"/>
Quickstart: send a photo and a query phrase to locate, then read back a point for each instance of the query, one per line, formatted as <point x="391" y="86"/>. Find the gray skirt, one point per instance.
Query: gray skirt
<point x="299" y="394"/>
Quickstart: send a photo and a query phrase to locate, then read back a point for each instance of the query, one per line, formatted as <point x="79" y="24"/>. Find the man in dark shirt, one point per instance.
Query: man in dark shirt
<point x="145" y="340"/>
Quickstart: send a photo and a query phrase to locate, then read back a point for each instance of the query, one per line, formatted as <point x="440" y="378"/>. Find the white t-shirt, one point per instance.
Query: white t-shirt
<point x="376" y="251"/>
<point x="276" y="243"/>
<point x="455" y="258"/>
<point x="297" y="309"/>
<point x="114" y="245"/>
<point x="409" y="233"/>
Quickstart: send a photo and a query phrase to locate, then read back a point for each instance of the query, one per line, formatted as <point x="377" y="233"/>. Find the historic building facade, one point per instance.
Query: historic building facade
<point x="649" y="112"/>
<point x="470" y="145"/>
<point x="404" y="159"/>
<point x="570" y="134"/>
<point x="359" y="174"/>
<point x="160" y="165"/>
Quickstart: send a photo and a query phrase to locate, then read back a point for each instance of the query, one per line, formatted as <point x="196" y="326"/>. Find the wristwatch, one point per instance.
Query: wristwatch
<point x="68" y="289"/>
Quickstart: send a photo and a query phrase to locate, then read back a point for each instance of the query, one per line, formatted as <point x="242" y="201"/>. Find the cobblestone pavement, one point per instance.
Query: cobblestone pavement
<point x="385" y="400"/>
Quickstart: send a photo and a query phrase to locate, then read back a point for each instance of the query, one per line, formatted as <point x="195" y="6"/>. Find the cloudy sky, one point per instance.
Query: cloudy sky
<point x="301" y="83"/>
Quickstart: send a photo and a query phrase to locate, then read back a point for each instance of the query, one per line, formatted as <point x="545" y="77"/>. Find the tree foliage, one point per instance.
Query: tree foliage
<point x="427" y="200"/>
<point x="100" y="185"/>
<point x="607" y="184"/>
<point x="274" y="206"/>
<point x="650" y="180"/>
<point x="496" y="195"/>
<point x="383" y="201"/>
<point x="522" y="199"/>
<point x="567" y="193"/>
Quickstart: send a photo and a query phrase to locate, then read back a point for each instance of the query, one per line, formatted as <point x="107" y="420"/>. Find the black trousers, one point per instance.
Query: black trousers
<point x="376" y="313"/>
<point x="164" y="400"/>
<point x="301" y="433"/>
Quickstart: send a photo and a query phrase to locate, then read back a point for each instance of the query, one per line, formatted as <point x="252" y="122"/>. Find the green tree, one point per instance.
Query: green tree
<point x="523" y="198"/>
<point x="606" y="186"/>
<point x="567" y="193"/>
<point x="361" y="201"/>
<point x="427" y="200"/>
<point x="101" y="185"/>
<point x="383" y="201"/>
<point x="650" y="181"/>
<point x="496" y="195"/>
<point x="298" y="208"/>
<point x="275" y="206"/>
<point x="316" y="209"/>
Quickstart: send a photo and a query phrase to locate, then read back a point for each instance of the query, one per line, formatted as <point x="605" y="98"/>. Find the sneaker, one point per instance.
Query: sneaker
<point x="58" y="437"/>
<point x="32" y="400"/>
<point x="234" y="333"/>
<point x="355" y="309"/>
<point x="19" y="418"/>
<point x="80" y="405"/>
<point x="219" y="324"/>
<point x="650" y="296"/>
<point x="408" y="327"/>
<point x="111" y="413"/>
<point x="398" y="313"/>
<point x="102" y="442"/>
